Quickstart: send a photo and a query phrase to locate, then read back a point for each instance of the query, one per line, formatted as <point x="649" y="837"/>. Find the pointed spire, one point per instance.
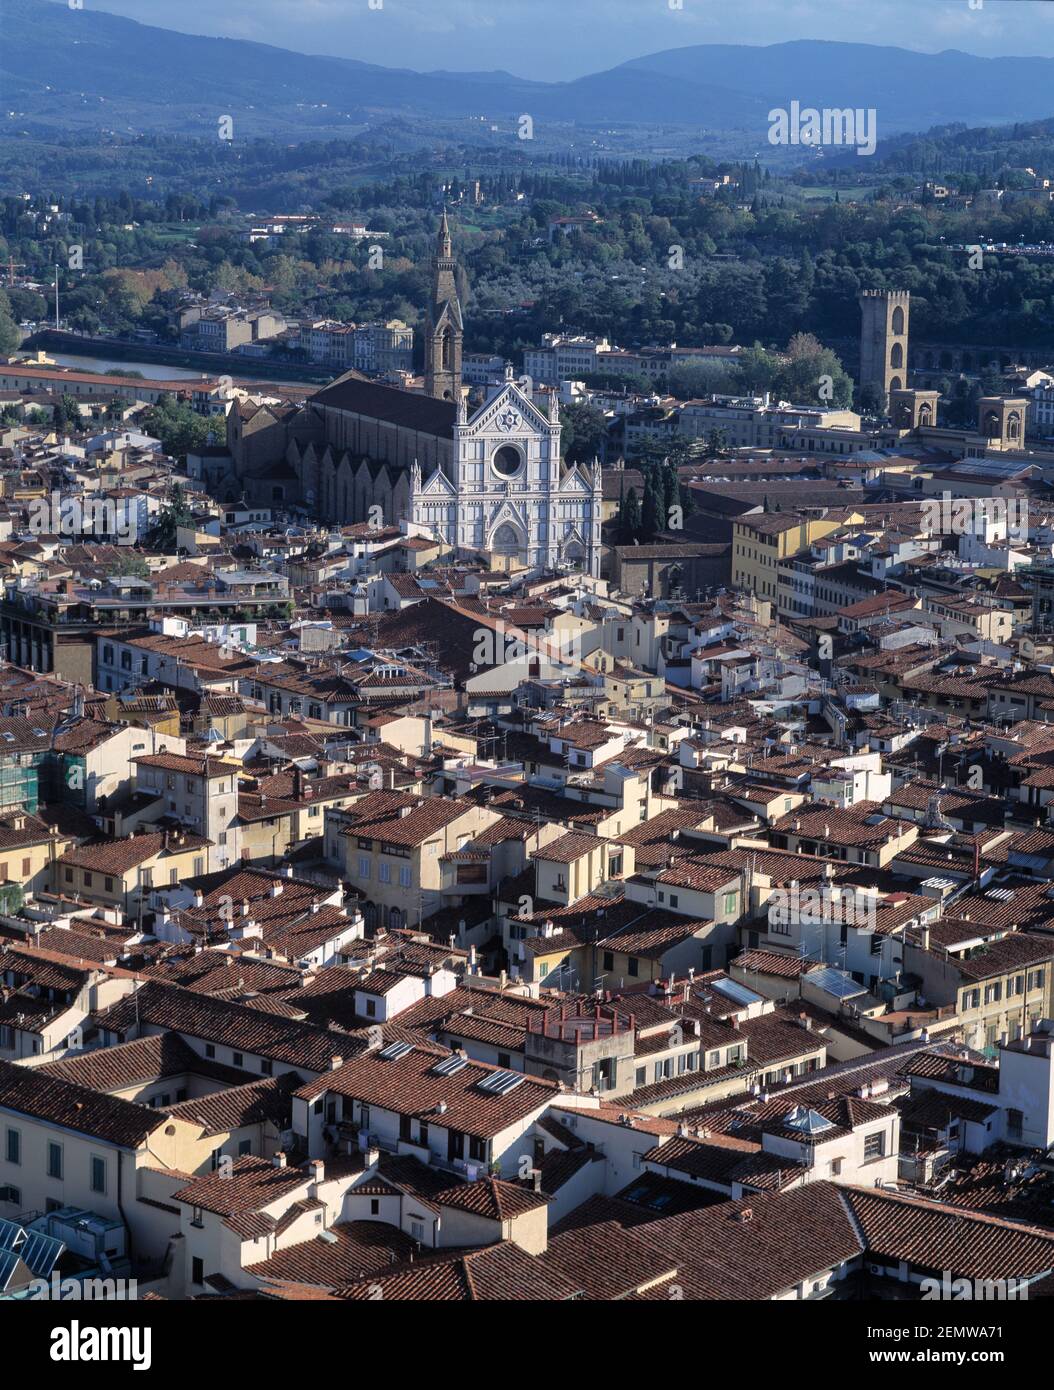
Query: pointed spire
<point x="444" y="243"/>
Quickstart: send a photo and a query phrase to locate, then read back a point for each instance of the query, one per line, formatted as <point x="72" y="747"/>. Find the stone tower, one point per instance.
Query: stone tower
<point x="1001" y="419"/>
<point x="913" y="410"/>
<point x="444" y="330"/>
<point x="884" y="340"/>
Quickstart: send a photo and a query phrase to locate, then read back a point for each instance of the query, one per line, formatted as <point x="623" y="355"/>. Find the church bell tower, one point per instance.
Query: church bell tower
<point x="444" y="331"/>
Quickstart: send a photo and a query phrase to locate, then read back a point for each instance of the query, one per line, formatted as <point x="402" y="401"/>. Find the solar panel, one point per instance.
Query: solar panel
<point x="835" y="982"/>
<point x="500" y="1083"/>
<point x="395" y="1050"/>
<point x="449" y="1065"/>
<point x="8" y="1264"/>
<point x="41" y="1253"/>
<point x="12" y="1235"/>
<point x="732" y="989"/>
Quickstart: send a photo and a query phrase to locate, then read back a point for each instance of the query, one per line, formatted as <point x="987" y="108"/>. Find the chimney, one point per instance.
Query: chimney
<point x="276" y="888"/>
<point x="279" y="1160"/>
<point x="372" y="1157"/>
<point x="335" y="1063"/>
<point x="317" y="1170"/>
<point x="744" y="1215"/>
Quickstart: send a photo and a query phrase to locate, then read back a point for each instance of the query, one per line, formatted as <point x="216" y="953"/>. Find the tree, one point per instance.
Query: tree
<point x="716" y="443"/>
<point x="629" y="523"/>
<point x="651" y="517"/>
<point x="130" y="563"/>
<point x="179" y="428"/>
<point x="174" y="513"/>
<point x="10" y="335"/>
<point x="584" y="433"/>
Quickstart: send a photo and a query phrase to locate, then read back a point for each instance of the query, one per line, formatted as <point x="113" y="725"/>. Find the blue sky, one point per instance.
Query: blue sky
<point x="560" y="39"/>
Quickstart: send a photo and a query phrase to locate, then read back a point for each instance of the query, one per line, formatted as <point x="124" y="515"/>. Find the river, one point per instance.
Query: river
<point x="153" y="371"/>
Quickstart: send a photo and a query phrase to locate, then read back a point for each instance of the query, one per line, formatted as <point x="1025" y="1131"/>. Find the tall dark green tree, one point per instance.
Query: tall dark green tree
<point x="651" y="509"/>
<point x="630" y="519"/>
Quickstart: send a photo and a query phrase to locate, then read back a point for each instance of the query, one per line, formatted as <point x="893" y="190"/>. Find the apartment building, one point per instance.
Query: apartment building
<point x="763" y="542"/>
<point x="198" y="792"/>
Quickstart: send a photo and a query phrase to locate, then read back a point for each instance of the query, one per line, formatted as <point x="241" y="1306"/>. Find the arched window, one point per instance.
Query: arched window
<point x="506" y="541"/>
<point x="896" y="355"/>
<point x="898" y="320"/>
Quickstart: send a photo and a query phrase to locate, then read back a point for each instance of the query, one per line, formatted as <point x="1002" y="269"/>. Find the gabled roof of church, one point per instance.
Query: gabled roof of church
<point x="391" y="404"/>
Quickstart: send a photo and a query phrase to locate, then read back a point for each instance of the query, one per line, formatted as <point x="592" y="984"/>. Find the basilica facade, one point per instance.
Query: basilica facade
<point x="488" y="480"/>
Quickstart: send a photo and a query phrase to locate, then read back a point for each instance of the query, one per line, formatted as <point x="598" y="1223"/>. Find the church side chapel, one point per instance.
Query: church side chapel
<point x="491" y="481"/>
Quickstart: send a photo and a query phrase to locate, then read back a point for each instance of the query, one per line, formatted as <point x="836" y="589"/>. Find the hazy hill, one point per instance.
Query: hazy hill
<point x="90" y="70"/>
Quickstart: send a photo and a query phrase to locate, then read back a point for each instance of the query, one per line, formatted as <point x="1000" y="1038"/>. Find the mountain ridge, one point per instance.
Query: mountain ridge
<point x="98" y="70"/>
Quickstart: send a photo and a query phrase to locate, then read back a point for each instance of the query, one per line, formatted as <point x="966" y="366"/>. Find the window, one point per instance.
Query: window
<point x="384" y="872"/>
<point x="266" y="1066"/>
<point x="55" y="1161"/>
<point x="210" y="1050"/>
<point x="98" y="1174"/>
<point x="14" y="1146"/>
<point x="364" y="867"/>
<point x="609" y="960"/>
<point x="632" y="966"/>
<point x="375" y="1206"/>
<point x="874" y="1146"/>
<point x="406" y="877"/>
<point x="197" y="1271"/>
<point x="417" y="1230"/>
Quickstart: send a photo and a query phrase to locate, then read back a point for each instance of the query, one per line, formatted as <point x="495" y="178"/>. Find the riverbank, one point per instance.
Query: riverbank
<point x="137" y="356"/>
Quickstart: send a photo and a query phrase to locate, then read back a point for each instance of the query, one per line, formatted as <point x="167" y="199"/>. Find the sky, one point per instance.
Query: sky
<point x="554" y="40"/>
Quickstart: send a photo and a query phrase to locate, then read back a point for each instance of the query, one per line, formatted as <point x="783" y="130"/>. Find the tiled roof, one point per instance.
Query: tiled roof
<point x="970" y="1244"/>
<point x="351" y="1251"/>
<point x="143" y="1059"/>
<point x="409" y="1085"/>
<point x="504" y="1272"/>
<point x="268" y="1100"/>
<point x="492" y="1198"/>
<point x="53" y="1100"/>
<point x="242" y="1029"/>
<point x="249" y="1185"/>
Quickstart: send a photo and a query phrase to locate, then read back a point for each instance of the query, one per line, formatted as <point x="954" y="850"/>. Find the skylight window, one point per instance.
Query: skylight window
<point x="500" y="1083"/>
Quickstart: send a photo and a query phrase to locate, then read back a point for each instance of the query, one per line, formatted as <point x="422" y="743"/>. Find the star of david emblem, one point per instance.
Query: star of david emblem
<point x="509" y="419"/>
